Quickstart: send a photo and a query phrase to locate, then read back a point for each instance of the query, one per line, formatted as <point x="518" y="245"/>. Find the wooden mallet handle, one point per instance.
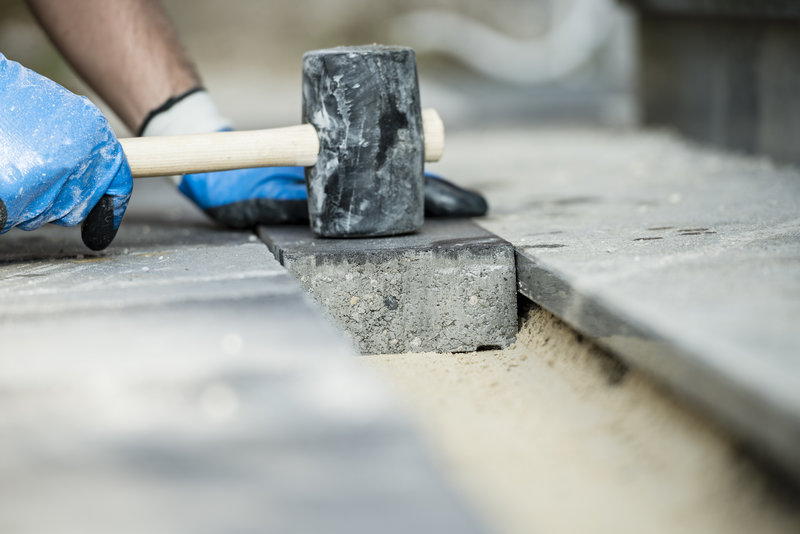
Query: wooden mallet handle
<point x="276" y="147"/>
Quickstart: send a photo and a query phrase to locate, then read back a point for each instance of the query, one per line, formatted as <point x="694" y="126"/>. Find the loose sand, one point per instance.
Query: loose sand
<point x="553" y="435"/>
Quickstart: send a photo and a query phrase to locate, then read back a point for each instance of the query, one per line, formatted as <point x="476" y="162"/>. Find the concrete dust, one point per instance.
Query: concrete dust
<point x="554" y="435"/>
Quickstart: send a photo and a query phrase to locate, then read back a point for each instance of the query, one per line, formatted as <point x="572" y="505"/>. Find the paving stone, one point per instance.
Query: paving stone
<point x="685" y="261"/>
<point x="182" y="381"/>
<point x="448" y="288"/>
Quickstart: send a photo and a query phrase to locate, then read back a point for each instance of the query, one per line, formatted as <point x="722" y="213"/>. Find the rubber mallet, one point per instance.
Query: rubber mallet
<point x="364" y="143"/>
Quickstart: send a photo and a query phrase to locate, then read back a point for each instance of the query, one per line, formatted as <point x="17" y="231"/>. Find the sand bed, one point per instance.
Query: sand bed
<point x="553" y="435"/>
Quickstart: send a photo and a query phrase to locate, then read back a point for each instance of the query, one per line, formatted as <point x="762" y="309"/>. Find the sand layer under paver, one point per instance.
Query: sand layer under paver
<point x="553" y="435"/>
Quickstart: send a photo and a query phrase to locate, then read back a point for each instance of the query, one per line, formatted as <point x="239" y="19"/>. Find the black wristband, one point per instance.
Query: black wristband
<point x="171" y="101"/>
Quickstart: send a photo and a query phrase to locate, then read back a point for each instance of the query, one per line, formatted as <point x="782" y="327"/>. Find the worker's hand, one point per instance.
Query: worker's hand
<point x="59" y="160"/>
<point x="246" y="198"/>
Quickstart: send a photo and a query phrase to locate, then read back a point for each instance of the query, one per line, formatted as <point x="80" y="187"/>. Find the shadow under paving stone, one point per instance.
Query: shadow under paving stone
<point x="171" y="385"/>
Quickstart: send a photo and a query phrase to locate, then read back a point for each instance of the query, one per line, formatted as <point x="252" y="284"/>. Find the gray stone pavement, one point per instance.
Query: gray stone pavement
<point x="683" y="260"/>
<point x="181" y="381"/>
<point x="450" y="287"/>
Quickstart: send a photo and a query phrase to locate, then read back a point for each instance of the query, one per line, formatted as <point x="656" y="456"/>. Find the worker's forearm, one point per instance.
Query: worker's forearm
<point x="126" y="50"/>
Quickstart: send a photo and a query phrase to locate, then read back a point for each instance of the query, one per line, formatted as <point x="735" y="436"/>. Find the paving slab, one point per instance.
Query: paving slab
<point x="683" y="260"/>
<point x="450" y="287"/>
<point x="182" y="381"/>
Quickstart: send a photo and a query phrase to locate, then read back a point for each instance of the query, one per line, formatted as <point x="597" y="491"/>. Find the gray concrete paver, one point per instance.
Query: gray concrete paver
<point x="182" y="381"/>
<point x="450" y="287"/>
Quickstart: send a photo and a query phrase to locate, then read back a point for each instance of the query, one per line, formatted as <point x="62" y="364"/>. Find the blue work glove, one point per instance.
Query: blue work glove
<point x="248" y="197"/>
<point x="59" y="160"/>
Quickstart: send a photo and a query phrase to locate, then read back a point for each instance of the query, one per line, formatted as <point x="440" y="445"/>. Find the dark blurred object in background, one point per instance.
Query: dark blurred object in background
<point x="725" y="72"/>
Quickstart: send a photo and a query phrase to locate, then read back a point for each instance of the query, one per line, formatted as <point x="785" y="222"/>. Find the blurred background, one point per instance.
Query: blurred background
<point x="480" y="63"/>
<point x="724" y="72"/>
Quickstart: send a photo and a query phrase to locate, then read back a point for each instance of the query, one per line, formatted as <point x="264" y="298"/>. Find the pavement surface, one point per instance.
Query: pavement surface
<point x="684" y="261"/>
<point x="185" y="366"/>
<point x="182" y="381"/>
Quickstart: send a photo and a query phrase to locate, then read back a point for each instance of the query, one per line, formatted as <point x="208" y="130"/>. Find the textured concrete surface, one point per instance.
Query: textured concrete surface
<point x="182" y="381"/>
<point x="684" y="261"/>
<point x="448" y="288"/>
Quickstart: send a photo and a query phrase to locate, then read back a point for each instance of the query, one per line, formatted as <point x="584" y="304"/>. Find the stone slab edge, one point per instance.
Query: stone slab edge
<point x="768" y="428"/>
<point x="451" y="287"/>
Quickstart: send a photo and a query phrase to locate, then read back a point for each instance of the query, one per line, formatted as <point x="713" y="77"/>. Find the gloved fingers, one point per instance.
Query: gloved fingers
<point x="276" y="196"/>
<point x="3" y="216"/>
<point x="71" y="204"/>
<point x="65" y="213"/>
<point x="120" y="189"/>
<point x="445" y="199"/>
<point x="40" y="206"/>
<point x="248" y="197"/>
<point x="97" y="229"/>
<point x="250" y="213"/>
<point x="107" y="173"/>
<point x="101" y="208"/>
<point x="101" y="224"/>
